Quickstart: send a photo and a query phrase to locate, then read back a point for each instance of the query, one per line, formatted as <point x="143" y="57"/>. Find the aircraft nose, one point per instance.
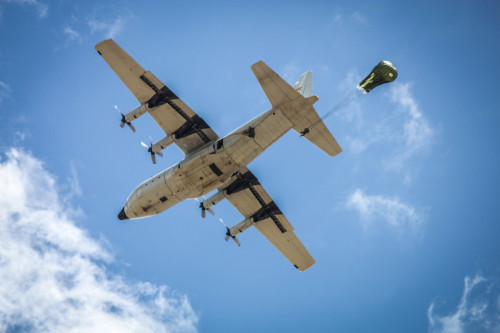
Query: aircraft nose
<point x="122" y="216"/>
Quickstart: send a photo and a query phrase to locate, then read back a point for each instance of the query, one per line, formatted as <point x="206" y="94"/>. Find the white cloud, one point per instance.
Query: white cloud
<point x="399" y="216"/>
<point x="477" y="311"/>
<point x="111" y="27"/>
<point x="53" y="274"/>
<point x="417" y="133"/>
<point x="41" y="8"/>
<point x="72" y="36"/>
<point x="401" y="132"/>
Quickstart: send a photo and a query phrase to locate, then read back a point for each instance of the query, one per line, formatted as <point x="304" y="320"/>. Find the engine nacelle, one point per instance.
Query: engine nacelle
<point x="214" y="199"/>
<point x="163" y="143"/>
<point x="136" y="113"/>
<point x="240" y="227"/>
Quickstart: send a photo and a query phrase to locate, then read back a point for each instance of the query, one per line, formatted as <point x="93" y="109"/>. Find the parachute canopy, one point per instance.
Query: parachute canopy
<point x="384" y="72"/>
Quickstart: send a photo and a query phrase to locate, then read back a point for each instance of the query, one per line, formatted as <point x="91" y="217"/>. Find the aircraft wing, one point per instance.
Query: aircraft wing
<point x="189" y="131"/>
<point x="248" y="196"/>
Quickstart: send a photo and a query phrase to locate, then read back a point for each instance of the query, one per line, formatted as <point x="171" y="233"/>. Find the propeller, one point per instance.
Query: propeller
<point x="203" y="208"/>
<point x="150" y="150"/>
<point x="124" y="121"/>
<point x="228" y="234"/>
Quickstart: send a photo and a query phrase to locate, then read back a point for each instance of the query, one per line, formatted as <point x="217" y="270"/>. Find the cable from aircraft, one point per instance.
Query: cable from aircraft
<point x="383" y="72"/>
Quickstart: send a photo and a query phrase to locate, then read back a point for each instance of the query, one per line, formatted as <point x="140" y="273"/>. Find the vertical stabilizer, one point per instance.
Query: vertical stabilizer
<point x="304" y="84"/>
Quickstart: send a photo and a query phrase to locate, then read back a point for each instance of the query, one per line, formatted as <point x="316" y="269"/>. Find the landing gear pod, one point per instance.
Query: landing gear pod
<point x="384" y="72"/>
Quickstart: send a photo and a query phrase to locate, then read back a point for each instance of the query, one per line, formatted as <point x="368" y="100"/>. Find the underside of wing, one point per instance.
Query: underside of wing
<point x="248" y="196"/>
<point x="188" y="130"/>
<point x="277" y="90"/>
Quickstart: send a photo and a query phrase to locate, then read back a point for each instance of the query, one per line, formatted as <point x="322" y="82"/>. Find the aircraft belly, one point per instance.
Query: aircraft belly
<point x="204" y="174"/>
<point x="150" y="198"/>
<point x="242" y="149"/>
<point x="268" y="128"/>
<point x="271" y="128"/>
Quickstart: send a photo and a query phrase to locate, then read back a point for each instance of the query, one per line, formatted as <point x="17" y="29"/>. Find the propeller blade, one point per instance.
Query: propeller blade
<point x="131" y="126"/>
<point x="153" y="157"/>
<point x="236" y="241"/>
<point x="210" y="211"/>
<point x="203" y="212"/>
<point x="144" y="145"/>
<point x="159" y="153"/>
<point x="122" y="124"/>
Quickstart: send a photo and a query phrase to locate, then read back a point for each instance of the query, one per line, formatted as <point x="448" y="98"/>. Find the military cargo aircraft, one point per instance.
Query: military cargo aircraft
<point x="215" y="163"/>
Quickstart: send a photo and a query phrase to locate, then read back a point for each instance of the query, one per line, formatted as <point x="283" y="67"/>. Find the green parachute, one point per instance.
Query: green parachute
<point x="384" y="72"/>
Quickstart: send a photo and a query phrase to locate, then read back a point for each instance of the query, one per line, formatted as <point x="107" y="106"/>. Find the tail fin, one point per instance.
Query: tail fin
<point x="297" y="105"/>
<point x="304" y="84"/>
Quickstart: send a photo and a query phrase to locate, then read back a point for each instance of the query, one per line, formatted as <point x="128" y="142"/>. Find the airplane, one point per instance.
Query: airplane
<point x="214" y="163"/>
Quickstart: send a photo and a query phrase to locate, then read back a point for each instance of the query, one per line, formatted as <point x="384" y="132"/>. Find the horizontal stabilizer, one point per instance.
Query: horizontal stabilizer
<point x="277" y="90"/>
<point x="297" y="105"/>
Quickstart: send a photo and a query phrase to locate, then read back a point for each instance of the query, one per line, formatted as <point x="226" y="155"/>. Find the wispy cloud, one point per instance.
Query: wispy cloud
<point x="339" y="18"/>
<point x="291" y="73"/>
<point x="417" y="133"/>
<point x="110" y="27"/>
<point x="477" y="311"/>
<point x="401" y="131"/>
<point x="53" y="274"/>
<point x="72" y="36"/>
<point x="401" y="217"/>
<point x="41" y="8"/>
<point x="5" y="91"/>
<point x="358" y="17"/>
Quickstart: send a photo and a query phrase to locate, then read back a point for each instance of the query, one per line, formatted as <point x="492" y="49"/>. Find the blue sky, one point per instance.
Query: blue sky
<point x="404" y="224"/>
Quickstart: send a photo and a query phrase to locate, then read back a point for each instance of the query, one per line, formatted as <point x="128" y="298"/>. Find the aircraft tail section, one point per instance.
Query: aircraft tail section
<point x="304" y="84"/>
<point x="297" y="105"/>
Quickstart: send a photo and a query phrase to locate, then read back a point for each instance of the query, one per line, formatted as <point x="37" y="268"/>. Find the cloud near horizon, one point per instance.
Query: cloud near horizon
<point x="54" y="275"/>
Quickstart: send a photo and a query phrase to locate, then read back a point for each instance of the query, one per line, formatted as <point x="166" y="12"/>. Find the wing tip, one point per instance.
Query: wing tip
<point x="257" y="64"/>
<point x="106" y="41"/>
<point x="305" y="267"/>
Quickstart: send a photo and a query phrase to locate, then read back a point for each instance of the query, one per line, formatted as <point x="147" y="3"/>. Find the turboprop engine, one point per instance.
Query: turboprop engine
<point x="237" y="229"/>
<point x="134" y="114"/>
<point x="211" y="201"/>
<point x="155" y="149"/>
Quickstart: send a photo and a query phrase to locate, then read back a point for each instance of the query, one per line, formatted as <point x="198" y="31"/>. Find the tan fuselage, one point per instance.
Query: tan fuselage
<point x="207" y="169"/>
